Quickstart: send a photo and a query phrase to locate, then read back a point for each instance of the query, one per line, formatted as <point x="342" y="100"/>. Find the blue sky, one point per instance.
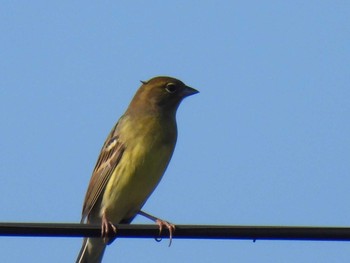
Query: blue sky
<point x="266" y="142"/>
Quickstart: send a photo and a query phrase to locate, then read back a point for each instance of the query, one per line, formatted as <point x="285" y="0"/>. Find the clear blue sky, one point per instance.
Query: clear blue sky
<point x="266" y="142"/>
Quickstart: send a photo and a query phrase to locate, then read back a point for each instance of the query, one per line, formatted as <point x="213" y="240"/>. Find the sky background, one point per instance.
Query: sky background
<point x="265" y="142"/>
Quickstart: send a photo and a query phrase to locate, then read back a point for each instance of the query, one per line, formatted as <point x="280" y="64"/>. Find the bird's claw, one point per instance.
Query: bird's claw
<point x="107" y="228"/>
<point x="169" y="226"/>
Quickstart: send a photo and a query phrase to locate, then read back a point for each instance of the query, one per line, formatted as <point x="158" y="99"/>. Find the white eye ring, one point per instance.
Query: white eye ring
<point x="171" y="88"/>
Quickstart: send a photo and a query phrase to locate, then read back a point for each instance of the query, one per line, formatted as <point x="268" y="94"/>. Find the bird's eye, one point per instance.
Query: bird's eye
<point x="171" y="87"/>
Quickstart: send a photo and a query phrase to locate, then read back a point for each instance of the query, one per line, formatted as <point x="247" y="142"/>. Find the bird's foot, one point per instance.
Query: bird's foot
<point x="107" y="229"/>
<point x="161" y="223"/>
<point x="169" y="226"/>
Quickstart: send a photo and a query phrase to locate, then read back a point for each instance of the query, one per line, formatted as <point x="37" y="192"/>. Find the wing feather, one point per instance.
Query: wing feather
<point x="109" y="158"/>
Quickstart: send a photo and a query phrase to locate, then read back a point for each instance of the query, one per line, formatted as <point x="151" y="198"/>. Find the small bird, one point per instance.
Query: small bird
<point x="132" y="161"/>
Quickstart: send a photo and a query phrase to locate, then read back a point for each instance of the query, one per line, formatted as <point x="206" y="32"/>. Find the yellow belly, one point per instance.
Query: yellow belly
<point x="142" y="166"/>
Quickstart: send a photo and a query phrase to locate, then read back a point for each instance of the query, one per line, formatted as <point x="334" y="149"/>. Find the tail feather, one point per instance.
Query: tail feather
<point x="91" y="251"/>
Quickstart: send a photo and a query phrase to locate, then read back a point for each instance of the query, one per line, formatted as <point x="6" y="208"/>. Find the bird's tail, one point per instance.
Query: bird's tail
<point x="91" y="251"/>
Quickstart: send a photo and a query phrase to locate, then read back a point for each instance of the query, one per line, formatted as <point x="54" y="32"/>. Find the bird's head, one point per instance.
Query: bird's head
<point x="160" y="94"/>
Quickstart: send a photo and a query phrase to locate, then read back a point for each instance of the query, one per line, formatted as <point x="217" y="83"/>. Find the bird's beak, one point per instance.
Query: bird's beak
<point x="188" y="91"/>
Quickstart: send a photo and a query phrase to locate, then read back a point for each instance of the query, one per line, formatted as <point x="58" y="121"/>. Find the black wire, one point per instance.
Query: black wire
<point x="181" y="231"/>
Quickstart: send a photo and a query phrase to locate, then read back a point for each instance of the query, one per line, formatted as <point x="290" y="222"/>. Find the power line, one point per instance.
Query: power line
<point x="181" y="231"/>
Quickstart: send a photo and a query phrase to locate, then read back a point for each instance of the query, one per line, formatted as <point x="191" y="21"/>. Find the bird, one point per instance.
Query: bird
<point x="132" y="161"/>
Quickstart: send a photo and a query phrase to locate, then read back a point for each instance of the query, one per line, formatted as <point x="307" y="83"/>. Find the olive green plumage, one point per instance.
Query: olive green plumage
<point x="133" y="159"/>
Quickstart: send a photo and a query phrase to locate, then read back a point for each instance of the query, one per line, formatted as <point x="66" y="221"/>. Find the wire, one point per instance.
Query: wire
<point x="181" y="231"/>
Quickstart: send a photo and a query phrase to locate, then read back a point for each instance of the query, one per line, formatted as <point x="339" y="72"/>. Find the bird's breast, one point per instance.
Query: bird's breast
<point x="148" y="149"/>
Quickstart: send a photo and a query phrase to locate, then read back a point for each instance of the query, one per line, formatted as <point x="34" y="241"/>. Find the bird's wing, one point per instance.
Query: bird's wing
<point x="111" y="153"/>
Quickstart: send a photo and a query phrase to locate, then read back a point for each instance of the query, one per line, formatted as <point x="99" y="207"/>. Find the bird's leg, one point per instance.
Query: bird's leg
<point x="160" y="223"/>
<point x="106" y="228"/>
